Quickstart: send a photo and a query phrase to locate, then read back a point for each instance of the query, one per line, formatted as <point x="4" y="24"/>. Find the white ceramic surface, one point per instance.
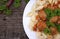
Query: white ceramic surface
<point x="29" y="33"/>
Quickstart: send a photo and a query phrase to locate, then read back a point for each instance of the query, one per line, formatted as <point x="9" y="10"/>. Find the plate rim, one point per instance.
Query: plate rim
<point x="23" y="19"/>
<point x="32" y="34"/>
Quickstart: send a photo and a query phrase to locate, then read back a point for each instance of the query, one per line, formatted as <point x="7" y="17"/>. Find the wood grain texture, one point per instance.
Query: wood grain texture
<point x="11" y="27"/>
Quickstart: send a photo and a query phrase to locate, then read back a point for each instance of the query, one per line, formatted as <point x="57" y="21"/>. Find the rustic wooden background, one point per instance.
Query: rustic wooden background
<point x="11" y="27"/>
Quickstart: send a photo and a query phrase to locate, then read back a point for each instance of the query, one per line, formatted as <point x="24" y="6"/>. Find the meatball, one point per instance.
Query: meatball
<point x="42" y="15"/>
<point x="53" y="30"/>
<point x="54" y="19"/>
<point x="41" y="25"/>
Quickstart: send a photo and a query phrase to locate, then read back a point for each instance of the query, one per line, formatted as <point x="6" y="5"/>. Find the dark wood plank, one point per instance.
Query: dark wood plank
<point x="11" y="27"/>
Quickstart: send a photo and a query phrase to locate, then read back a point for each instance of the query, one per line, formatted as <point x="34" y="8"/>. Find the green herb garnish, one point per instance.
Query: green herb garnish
<point x="50" y="24"/>
<point x="47" y="31"/>
<point x="58" y="27"/>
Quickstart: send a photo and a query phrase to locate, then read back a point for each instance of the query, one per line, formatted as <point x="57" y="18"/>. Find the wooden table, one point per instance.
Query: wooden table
<point x="11" y="27"/>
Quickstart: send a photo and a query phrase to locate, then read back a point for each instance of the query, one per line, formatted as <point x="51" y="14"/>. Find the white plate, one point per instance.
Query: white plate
<point x="30" y="34"/>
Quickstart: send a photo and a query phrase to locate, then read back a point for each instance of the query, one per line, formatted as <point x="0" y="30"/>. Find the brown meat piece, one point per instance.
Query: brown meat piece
<point x="37" y="17"/>
<point x="58" y="1"/>
<point x="52" y="6"/>
<point x="53" y="30"/>
<point x="35" y="27"/>
<point x="54" y="19"/>
<point x="41" y="25"/>
<point x="59" y="17"/>
<point x="42" y="15"/>
<point x="58" y="21"/>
